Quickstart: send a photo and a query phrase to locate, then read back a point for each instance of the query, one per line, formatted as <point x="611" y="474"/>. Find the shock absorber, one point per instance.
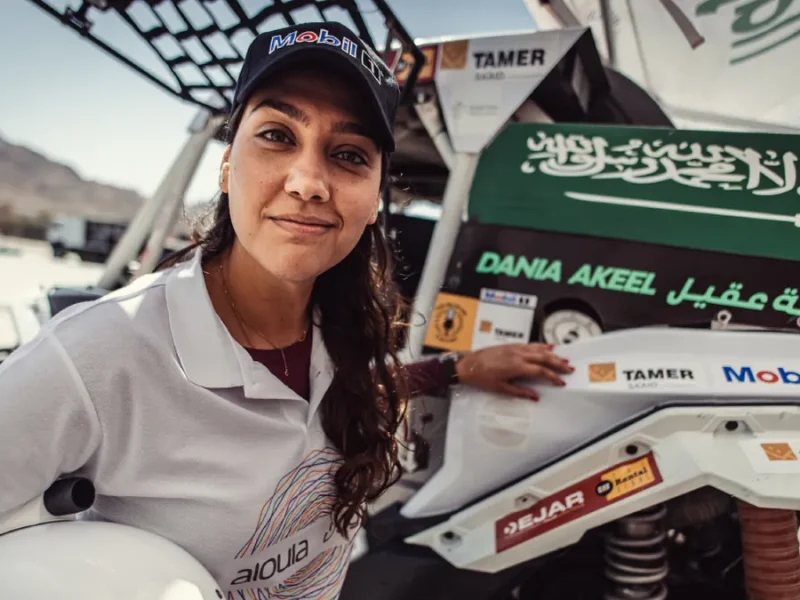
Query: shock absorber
<point x="770" y="552"/>
<point x="636" y="557"/>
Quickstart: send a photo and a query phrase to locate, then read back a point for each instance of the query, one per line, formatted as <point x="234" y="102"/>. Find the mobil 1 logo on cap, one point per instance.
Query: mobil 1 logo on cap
<point x="323" y="36"/>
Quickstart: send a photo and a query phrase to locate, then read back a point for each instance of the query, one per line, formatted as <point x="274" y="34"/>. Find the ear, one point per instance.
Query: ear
<point x="374" y="216"/>
<point x="224" y="170"/>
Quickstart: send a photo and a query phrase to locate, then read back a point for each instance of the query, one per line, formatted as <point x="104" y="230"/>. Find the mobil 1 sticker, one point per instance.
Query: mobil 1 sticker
<point x="503" y="318"/>
<point x="508" y="298"/>
<point x="769" y="378"/>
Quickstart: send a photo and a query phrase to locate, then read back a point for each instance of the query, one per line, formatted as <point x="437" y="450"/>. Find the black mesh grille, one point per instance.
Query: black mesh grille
<point x="194" y="48"/>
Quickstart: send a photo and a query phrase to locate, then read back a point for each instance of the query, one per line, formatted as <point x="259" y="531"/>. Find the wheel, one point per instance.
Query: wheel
<point x="568" y="325"/>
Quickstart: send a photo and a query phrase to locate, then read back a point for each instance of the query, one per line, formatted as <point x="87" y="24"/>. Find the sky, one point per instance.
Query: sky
<point x="63" y="97"/>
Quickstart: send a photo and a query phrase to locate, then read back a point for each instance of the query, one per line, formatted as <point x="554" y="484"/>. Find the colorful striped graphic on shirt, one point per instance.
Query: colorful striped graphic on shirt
<point x="302" y="497"/>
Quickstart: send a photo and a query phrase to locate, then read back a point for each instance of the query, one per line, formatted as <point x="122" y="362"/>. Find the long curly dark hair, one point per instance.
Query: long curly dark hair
<point x="360" y="318"/>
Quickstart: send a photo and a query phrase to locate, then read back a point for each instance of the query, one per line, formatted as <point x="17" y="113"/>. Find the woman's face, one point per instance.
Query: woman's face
<point x="302" y="176"/>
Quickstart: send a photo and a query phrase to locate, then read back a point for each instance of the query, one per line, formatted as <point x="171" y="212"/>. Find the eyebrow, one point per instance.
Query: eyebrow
<point x="291" y="111"/>
<point x="353" y="128"/>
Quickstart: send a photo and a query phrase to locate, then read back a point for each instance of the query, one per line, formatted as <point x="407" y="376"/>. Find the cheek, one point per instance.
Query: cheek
<point x="356" y="220"/>
<point x="240" y="217"/>
<point x="357" y="203"/>
<point x="250" y="190"/>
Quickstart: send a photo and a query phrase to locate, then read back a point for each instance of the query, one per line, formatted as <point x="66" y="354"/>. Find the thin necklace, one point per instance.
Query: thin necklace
<point x="245" y="326"/>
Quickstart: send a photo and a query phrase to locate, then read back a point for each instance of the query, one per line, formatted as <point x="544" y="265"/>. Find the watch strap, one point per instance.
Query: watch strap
<point x="448" y="362"/>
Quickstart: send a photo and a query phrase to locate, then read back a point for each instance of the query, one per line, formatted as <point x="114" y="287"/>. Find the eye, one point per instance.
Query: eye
<point x="275" y="135"/>
<point x="351" y="157"/>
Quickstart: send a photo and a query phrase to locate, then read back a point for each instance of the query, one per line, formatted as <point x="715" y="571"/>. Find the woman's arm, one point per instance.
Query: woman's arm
<point x="428" y="378"/>
<point x="495" y="369"/>
<point x="48" y="426"/>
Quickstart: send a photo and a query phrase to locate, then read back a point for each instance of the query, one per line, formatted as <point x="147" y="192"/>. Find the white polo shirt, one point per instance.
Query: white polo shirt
<point x="183" y="434"/>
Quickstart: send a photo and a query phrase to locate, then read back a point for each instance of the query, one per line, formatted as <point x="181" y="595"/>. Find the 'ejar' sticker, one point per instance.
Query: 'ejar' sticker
<point x="582" y="498"/>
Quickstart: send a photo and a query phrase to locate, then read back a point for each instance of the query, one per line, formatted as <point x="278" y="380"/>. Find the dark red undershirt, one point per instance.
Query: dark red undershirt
<point x="426" y="378"/>
<point x="298" y="360"/>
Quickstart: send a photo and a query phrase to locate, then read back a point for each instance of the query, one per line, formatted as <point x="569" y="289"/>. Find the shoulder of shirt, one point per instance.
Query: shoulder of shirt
<point x="115" y="310"/>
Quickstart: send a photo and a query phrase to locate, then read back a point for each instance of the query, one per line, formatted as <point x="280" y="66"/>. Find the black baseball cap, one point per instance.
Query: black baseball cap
<point x="332" y="44"/>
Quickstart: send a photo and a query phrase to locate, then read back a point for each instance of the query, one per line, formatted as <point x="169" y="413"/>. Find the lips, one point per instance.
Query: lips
<point x="303" y="220"/>
<point x="302" y="224"/>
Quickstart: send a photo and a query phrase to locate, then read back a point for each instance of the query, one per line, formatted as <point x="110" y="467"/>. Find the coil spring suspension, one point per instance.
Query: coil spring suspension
<point x="770" y="551"/>
<point x="636" y="557"/>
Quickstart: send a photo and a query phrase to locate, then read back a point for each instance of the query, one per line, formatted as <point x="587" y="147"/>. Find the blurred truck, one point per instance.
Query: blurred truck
<point x="91" y="240"/>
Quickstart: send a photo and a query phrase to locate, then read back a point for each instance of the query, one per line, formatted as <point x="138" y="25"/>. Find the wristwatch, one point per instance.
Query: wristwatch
<point x="448" y="362"/>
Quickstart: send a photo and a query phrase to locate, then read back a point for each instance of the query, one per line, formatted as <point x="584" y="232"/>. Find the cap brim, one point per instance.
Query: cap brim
<point x="330" y="56"/>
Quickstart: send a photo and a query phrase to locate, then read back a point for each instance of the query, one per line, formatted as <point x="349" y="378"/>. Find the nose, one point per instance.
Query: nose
<point x="307" y="179"/>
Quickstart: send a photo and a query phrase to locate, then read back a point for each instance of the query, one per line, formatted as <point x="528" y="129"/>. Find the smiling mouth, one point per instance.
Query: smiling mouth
<point x="302" y="224"/>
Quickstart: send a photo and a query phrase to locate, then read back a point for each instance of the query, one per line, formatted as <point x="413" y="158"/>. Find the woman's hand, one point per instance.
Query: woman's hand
<point x="496" y="368"/>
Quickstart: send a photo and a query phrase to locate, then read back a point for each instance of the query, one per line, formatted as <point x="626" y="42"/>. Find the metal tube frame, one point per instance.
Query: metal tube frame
<point x="214" y="92"/>
<point x="167" y="198"/>
<point x="445" y="233"/>
<point x="165" y="224"/>
<point x="608" y="29"/>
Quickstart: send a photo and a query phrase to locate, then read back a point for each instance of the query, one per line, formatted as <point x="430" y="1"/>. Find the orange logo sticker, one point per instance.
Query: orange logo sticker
<point x="403" y="67"/>
<point x="454" y="54"/>
<point x="602" y="372"/>
<point x="779" y="452"/>
<point x="452" y="323"/>
<point x="628" y="478"/>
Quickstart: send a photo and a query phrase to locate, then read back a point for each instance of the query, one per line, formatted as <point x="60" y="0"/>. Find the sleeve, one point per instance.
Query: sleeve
<point x="48" y="425"/>
<point x="427" y="378"/>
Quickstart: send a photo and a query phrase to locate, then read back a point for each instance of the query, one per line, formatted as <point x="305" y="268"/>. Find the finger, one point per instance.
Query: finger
<point x="542" y="372"/>
<point x="549" y="359"/>
<point x="534" y="347"/>
<point x="518" y="391"/>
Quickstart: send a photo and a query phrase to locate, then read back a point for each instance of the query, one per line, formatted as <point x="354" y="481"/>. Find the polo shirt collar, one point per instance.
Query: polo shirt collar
<point x="209" y="355"/>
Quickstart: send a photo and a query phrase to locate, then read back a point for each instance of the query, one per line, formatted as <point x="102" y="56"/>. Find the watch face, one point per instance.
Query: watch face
<point x="567" y="326"/>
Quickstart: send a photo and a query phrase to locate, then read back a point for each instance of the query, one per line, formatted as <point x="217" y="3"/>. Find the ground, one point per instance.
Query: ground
<point x="27" y="267"/>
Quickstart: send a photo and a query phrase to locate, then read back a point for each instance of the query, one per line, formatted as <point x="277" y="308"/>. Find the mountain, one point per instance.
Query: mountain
<point x="32" y="185"/>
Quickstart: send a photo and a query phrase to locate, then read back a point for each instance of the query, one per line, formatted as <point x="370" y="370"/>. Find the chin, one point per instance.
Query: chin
<point x="295" y="271"/>
<point x="299" y="263"/>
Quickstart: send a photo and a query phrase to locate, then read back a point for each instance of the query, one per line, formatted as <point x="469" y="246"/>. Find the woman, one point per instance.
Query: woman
<point x="159" y="393"/>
